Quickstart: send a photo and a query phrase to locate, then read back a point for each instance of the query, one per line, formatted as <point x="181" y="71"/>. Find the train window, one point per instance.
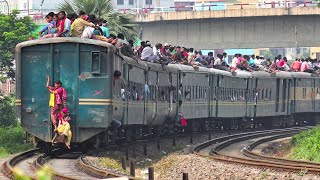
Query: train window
<point x="206" y="91"/>
<point x="304" y="93"/>
<point x="95" y="62"/>
<point x="197" y="93"/>
<point x="270" y="94"/>
<point x="262" y="94"/>
<point x="193" y="95"/>
<point x="277" y="95"/>
<point x="284" y="95"/>
<point x="223" y="94"/>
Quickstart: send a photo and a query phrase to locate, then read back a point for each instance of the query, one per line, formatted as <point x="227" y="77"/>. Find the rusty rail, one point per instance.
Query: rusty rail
<point x="12" y="162"/>
<point x="266" y="162"/>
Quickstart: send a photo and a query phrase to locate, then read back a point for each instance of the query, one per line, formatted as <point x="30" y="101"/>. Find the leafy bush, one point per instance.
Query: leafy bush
<point x="306" y="145"/>
<point x="7" y="111"/>
<point x="12" y="140"/>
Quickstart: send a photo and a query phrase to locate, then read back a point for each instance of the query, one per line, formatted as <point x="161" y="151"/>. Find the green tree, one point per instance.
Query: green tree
<point x="7" y="110"/>
<point x="117" y="22"/>
<point x="13" y="30"/>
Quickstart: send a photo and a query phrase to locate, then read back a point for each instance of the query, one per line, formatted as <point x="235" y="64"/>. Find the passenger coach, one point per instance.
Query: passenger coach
<point x="149" y="97"/>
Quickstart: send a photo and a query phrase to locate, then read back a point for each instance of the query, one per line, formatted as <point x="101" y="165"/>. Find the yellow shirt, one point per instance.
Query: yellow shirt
<point x="78" y="25"/>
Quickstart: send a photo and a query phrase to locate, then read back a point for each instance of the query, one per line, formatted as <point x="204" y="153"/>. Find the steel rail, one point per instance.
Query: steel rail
<point x="266" y="163"/>
<point x="247" y="151"/>
<point x="12" y="162"/>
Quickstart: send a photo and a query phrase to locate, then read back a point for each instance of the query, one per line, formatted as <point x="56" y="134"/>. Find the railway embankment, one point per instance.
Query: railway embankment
<point x="306" y="145"/>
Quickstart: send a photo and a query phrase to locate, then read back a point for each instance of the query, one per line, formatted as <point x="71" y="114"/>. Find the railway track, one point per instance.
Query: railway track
<point x="66" y="167"/>
<point x="238" y="149"/>
<point x="70" y="166"/>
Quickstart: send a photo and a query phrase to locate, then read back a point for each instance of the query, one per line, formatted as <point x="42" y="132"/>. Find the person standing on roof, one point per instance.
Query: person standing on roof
<point x="79" y="24"/>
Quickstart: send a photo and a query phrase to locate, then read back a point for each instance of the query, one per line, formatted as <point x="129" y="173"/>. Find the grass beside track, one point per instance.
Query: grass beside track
<point x="306" y="145"/>
<point x="12" y="141"/>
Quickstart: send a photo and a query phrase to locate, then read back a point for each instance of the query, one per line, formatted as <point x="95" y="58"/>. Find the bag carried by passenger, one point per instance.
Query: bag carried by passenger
<point x="183" y="121"/>
<point x="62" y="138"/>
<point x="51" y="101"/>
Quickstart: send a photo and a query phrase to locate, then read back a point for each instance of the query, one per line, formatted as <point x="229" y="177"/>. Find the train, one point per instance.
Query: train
<point x="149" y="98"/>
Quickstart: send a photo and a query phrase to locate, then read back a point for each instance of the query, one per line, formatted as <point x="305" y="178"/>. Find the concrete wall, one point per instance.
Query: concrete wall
<point x="228" y="13"/>
<point x="237" y="32"/>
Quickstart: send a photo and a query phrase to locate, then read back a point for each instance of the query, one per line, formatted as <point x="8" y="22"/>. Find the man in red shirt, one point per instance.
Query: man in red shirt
<point x="296" y="65"/>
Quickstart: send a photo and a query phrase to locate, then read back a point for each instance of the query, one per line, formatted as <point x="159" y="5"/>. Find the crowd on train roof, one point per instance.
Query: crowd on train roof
<point x="90" y="27"/>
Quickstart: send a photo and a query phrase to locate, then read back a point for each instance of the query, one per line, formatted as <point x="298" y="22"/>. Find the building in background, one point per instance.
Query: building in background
<point x="203" y="5"/>
<point x="184" y="5"/>
<point x="32" y="7"/>
<point x="138" y="4"/>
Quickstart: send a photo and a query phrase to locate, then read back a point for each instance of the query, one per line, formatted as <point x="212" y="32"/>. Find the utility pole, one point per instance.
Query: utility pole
<point x="296" y="39"/>
<point x="28" y="7"/>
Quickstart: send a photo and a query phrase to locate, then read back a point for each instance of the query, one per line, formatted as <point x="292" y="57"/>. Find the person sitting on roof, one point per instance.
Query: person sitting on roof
<point x="52" y="28"/>
<point x="283" y="64"/>
<point x="50" y="21"/>
<point x="274" y="66"/>
<point x="296" y="65"/>
<point x="251" y="63"/>
<point x="218" y="63"/>
<point x="64" y="25"/>
<point x="207" y="61"/>
<point x="79" y="25"/>
<point x="147" y="54"/>
<point x="305" y="67"/>
<point x="316" y="64"/>
<point x="242" y="63"/>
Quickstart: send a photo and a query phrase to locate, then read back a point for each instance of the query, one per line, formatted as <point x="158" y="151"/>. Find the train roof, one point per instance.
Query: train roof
<point x="170" y="67"/>
<point x="304" y="75"/>
<point x="64" y="40"/>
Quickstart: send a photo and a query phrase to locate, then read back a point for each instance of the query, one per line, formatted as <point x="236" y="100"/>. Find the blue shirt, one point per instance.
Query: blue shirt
<point x="105" y="31"/>
<point x="47" y="26"/>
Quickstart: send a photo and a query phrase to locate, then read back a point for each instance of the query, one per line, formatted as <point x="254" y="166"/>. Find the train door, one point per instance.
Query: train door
<point x="36" y="62"/>
<point x="151" y="97"/>
<point x="212" y="98"/>
<point x="163" y="97"/>
<point x="313" y="95"/>
<point x="65" y="68"/>
<point x="173" y="95"/>
<point x="247" y="97"/>
<point x="136" y="93"/>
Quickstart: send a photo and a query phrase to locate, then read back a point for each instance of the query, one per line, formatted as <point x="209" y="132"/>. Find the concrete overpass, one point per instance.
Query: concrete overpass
<point x="234" y="28"/>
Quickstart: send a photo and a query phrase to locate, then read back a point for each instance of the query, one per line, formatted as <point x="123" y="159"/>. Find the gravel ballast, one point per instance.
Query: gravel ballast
<point x="171" y="162"/>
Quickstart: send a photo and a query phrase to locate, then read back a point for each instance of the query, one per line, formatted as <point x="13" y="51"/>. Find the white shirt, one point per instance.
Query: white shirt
<point x="234" y="62"/>
<point x="155" y="50"/>
<point x="146" y="52"/>
<point x="217" y="61"/>
<point x="87" y="32"/>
